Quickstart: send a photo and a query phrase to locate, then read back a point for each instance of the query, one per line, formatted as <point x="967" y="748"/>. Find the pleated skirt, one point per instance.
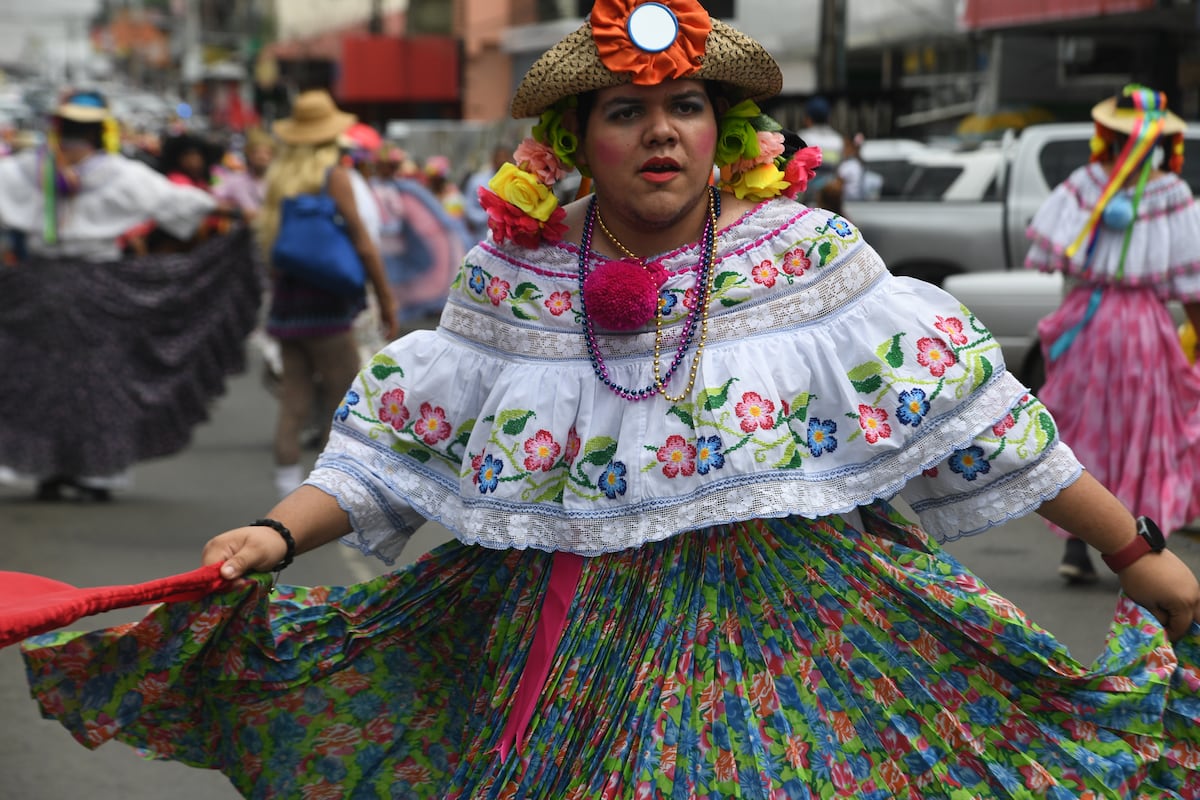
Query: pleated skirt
<point x="108" y="364"/>
<point x="791" y="658"/>
<point x="1127" y="401"/>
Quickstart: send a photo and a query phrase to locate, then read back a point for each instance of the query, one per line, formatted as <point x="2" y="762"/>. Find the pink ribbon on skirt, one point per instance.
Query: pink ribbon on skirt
<point x="566" y="569"/>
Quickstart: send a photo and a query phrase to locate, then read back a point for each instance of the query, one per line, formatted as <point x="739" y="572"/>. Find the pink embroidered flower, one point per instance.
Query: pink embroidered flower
<point x="677" y="457"/>
<point x="392" y="409"/>
<point x="795" y="262"/>
<point x="755" y="412"/>
<point x="559" y="303"/>
<point x="936" y="355"/>
<point x="1004" y="426"/>
<point x="541" y="452"/>
<point x="533" y="156"/>
<point x="765" y="274"/>
<point x="952" y="327"/>
<point x="573" y="443"/>
<point x="497" y="290"/>
<point x="770" y="147"/>
<point x="476" y="465"/>
<point x="431" y="424"/>
<point x="689" y="299"/>
<point x="801" y="169"/>
<point x="873" y="421"/>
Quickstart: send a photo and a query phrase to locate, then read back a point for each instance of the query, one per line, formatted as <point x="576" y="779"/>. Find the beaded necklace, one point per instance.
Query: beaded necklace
<point x="704" y="289"/>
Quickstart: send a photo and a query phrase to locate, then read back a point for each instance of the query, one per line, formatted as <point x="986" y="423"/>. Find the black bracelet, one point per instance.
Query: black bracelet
<point x="283" y="531"/>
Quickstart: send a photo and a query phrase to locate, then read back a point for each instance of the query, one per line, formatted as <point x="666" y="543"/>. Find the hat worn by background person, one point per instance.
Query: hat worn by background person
<point x="315" y="119"/>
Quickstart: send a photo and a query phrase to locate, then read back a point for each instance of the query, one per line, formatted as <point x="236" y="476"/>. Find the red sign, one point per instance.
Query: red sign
<point x="980" y="14"/>
<point x="393" y="69"/>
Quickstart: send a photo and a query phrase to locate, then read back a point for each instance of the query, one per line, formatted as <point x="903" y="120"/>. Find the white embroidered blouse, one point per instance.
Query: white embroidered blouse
<point x="825" y="383"/>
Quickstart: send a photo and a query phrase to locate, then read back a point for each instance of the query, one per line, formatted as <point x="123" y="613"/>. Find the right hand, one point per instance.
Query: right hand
<point x="254" y="548"/>
<point x="1163" y="584"/>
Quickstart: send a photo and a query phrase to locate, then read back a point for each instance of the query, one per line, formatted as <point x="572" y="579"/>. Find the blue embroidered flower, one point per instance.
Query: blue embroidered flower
<point x="821" y="437"/>
<point x="476" y="282"/>
<point x="343" y="411"/>
<point x="612" y="480"/>
<point x="489" y="474"/>
<point x="840" y="226"/>
<point x="913" y="407"/>
<point x="708" y="454"/>
<point x="666" y="303"/>
<point x="970" y="462"/>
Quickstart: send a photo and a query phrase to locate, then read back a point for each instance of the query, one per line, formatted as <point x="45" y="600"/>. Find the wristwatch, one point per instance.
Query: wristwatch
<point x="1149" y="540"/>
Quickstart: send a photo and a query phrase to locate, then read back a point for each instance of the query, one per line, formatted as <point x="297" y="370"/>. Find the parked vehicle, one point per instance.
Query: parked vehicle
<point x="1009" y="299"/>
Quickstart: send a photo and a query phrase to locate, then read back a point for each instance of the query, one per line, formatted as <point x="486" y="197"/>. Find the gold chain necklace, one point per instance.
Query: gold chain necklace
<point x="702" y="297"/>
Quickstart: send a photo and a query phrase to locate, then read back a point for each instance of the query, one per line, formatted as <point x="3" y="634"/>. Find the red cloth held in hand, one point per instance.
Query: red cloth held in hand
<point x="32" y="604"/>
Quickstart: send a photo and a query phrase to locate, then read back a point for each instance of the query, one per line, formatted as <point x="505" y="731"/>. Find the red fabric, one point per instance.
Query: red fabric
<point x="32" y="604"/>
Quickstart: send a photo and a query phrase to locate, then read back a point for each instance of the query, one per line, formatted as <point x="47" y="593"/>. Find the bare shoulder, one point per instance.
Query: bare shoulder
<point x="733" y="209"/>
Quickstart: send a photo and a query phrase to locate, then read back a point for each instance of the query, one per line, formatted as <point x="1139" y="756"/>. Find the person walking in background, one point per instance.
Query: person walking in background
<point x="437" y="178"/>
<point x="421" y="244"/>
<point x="318" y="351"/>
<point x="664" y="423"/>
<point x="1124" y="231"/>
<point x="475" y="213"/>
<point x="107" y="360"/>
<point x="858" y="182"/>
<point x="246" y="189"/>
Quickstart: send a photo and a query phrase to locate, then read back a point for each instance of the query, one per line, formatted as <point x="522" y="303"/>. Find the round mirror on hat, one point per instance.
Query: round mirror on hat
<point x="652" y="27"/>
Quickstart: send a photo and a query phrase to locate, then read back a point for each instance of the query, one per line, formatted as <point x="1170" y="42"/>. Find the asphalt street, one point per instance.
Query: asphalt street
<point x="224" y="479"/>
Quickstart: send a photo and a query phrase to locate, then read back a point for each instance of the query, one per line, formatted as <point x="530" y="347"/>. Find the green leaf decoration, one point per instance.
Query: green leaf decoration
<point x="464" y="432"/>
<point x="513" y="421"/>
<point x="525" y="288"/>
<point x="1047" y="427"/>
<point x="553" y="492"/>
<point x="824" y="252"/>
<point x="413" y="451"/>
<point x="792" y="458"/>
<point x="800" y="406"/>
<point x="382" y="372"/>
<point x="599" y="450"/>
<point x="521" y="313"/>
<point x="868" y="386"/>
<point x="891" y="352"/>
<point x="724" y="278"/>
<point x="730" y="302"/>
<point x="712" y="400"/>
<point x="983" y="370"/>
<point x="683" y="414"/>
<point x="765" y="123"/>
<point x="864" y="371"/>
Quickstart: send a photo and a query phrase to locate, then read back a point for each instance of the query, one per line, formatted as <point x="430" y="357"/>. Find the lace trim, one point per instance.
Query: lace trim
<point x="1013" y="496"/>
<point x="382" y="527"/>
<point x="501" y="524"/>
<point x="832" y="291"/>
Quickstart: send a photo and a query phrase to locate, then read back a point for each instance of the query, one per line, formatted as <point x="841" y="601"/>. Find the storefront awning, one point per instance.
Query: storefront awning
<point x="394" y="69"/>
<point x="984" y="14"/>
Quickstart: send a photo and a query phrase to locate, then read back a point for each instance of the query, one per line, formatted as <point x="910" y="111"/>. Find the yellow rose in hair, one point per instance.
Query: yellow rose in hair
<point x="760" y="183"/>
<point x="523" y="189"/>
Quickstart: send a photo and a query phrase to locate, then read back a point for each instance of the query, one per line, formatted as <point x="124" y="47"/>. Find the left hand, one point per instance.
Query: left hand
<point x="1165" y="586"/>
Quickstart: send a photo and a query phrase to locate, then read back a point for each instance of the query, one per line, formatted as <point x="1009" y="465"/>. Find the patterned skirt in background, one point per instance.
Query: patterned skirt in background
<point x="771" y="659"/>
<point x="108" y="364"/>
<point x="1127" y="401"/>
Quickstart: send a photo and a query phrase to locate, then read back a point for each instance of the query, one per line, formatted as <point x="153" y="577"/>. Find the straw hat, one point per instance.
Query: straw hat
<point x="1118" y="113"/>
<point x="314" y="120"/>
<point x="86" y="106"/>
<point x="575" y="64"/>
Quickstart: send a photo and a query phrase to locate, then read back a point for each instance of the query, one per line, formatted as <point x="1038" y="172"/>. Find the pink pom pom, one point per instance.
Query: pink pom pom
<point x="621" y="295"/>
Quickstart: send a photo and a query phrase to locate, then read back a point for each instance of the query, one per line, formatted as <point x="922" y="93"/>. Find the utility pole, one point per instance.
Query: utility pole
<point x="831" y="48"/>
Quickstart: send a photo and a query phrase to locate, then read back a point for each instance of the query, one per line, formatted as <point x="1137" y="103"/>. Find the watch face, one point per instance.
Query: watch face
<point x="1149" y="530"/>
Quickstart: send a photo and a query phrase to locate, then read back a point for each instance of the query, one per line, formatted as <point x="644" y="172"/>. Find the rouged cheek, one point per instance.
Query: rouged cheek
<point x="610" y="154"/>
<point x="707" y="141"/>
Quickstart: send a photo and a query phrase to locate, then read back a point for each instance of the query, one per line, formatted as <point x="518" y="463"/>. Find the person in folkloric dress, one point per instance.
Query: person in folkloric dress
<point x="664" y="424"/>
<point x="1124" y="230"/>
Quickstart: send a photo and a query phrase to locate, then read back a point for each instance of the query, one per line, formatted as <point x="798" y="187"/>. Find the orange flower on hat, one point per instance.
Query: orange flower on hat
<point x="621" y="55"/>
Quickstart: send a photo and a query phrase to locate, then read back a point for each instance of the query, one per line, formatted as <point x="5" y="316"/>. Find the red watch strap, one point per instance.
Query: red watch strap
<point x="1127" y="555"/>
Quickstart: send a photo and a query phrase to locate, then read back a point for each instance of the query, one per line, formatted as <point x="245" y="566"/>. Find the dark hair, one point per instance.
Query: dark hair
<point x="173" y="148"/>
<point x="90" y="132"/>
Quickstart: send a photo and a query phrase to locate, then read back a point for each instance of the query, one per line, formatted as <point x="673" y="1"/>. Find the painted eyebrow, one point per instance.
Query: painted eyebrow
<point x="690" y="94"/>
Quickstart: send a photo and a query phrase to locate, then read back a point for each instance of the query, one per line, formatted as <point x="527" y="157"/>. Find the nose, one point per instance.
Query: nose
<point x="660" y="128"/>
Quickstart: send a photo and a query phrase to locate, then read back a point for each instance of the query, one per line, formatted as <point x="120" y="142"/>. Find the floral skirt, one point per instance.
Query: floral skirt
<point x="841" y="657"/>
<point x="1127" y="401"/>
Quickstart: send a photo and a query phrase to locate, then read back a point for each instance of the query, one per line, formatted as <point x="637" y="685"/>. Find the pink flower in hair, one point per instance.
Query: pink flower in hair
<point x="801" y="169"/>
<point x="770" y="147"/>
<point x="533" y="156"/>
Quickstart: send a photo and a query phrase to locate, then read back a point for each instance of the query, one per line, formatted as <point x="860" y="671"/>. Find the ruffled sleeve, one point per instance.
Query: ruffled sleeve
<point x="825" y="383"/>
<point x="1163" y="251"/>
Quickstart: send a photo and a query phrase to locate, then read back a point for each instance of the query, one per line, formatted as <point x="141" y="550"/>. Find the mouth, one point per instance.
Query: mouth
<point x="660" y="169"/>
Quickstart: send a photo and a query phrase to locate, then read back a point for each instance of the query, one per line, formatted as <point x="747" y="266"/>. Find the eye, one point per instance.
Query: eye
<point x="624" y="113"/>
<point x="689" y="107"/>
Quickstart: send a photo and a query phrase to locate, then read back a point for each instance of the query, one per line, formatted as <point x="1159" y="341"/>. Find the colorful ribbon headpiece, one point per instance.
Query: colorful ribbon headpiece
<point x="1148" y="109"/>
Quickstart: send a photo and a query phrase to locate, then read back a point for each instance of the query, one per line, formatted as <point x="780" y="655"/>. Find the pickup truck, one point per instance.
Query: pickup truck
<point x="967" y="232"/>
<point x="967" y="211"/>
